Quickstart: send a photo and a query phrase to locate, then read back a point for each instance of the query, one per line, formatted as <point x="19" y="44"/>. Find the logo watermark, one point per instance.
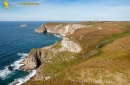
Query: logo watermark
<point x="7" y="4"/>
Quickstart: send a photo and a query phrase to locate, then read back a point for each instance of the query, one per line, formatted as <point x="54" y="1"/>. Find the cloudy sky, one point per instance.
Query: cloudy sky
<point x="68" y="10"/>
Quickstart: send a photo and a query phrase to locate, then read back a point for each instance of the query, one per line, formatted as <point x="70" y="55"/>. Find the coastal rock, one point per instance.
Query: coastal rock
<point x="23" y="25"/>
<point x="41" y="29"/>
<point x="10" y="68"/>
<point x="62" y="29"/>
<point x="69" y="45"/>
<point x="36" y="58"/>
<point x="30" y="63"/>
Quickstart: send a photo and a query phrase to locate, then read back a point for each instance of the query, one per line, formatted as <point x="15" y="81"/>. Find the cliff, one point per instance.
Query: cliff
<point x="72" y="59"/>
<point x="62" y="29"/>
<point x="38" y="56"/>
<point x="41" y="29"/>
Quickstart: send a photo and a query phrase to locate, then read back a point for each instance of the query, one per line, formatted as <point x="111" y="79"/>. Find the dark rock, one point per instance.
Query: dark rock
<point x="10" y="68"/>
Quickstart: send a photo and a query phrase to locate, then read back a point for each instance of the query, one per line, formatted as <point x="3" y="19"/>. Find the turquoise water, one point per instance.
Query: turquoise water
<point x="15" y="44"/>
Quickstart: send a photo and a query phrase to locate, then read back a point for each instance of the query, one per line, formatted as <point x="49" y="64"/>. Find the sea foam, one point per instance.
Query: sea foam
<point x="57" y="35"/>
<point x="26" y="78"/>
<point x="5" y="72"/>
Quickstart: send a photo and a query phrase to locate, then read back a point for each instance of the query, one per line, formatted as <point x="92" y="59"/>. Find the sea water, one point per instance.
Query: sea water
<point x="15" y="44"/>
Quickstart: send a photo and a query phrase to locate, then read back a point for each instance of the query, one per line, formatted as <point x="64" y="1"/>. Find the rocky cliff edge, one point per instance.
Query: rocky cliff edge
<point x="38" y="56"/>
<point x="62" y="29"/>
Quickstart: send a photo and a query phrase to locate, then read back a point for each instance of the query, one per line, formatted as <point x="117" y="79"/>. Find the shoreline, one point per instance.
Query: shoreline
<point x="20" y="81"/>
<point x="46" y="29"/>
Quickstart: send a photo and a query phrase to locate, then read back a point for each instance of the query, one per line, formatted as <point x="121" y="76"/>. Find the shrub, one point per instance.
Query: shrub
<point x="101" y="44"/>
<point x="91" y="53"/>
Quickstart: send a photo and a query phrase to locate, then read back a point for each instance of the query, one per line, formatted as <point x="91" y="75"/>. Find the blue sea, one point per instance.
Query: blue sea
<point x="15" y="44"/>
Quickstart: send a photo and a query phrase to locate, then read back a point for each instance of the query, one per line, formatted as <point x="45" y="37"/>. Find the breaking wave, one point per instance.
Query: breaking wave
<point x="5" y="72"/>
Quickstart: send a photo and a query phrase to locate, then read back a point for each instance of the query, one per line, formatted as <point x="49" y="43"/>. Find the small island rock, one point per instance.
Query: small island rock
<point x="23" y="25"/>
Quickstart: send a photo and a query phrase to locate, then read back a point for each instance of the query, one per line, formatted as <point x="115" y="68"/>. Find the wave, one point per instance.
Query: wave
<point x="5" y="72"/>
<point x="57" y="35"/>
<point x="26" y="78"/>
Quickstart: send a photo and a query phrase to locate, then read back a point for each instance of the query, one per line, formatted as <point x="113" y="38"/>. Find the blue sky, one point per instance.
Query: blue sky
<point x="68" y="10"/>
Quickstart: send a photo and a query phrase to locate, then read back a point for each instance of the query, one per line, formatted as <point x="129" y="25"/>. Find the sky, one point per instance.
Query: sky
<point x="67" y="10"/>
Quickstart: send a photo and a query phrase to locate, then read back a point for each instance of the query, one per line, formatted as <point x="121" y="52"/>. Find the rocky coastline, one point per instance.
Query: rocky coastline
<point x="38" y="57"/>
<point x="80" y="41"/>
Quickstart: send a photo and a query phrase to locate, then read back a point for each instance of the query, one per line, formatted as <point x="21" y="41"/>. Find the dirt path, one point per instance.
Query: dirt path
<point x="119" y="46"/>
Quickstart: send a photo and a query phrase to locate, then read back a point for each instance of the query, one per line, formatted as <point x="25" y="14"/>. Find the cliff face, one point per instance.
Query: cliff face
<point x="38" y="56"/>
<point x="62" y="29"/>
<point x="69" y="45"/>
<point x="41" y="29"/>
<point x="66" y="62"/>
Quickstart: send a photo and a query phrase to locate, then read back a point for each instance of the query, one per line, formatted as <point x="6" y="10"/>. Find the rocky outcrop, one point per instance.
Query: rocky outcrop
<point x="69" y="45"/>
<point x="30" y="63"/>
<point x="36" y="58"/>
<point x="41" y="29"/>
<point x="62" y="29"/>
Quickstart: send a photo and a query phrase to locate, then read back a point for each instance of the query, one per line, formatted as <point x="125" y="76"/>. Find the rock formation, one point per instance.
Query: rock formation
<point x="30" y="63"/>
<point x="35" y="58"/>
<point x="62" y="29"/>
<point x="41" y="29"/>
<point x="69" y="45"/>
<point x="23" y="25"/>
<point x="38" y="56"/>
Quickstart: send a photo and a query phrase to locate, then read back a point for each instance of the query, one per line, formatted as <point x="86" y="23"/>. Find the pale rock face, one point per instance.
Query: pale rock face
<point x="62" y="29"/>
<point x="30" y="63"/>
<point x="77" y="26"/>
<point x="41" y="29"/>
<point x="69" y="45"/>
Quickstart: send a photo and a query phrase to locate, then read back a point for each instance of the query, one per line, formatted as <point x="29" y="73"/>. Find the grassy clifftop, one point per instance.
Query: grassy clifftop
<point x="110" y="65"/>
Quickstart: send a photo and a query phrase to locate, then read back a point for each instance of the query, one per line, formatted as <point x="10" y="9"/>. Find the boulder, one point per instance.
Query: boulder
<point x="10" y="68"/>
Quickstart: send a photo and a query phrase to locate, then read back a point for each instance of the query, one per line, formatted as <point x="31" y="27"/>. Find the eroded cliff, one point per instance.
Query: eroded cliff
<point x="62" y="29"/>
<point x="57" y="62"/>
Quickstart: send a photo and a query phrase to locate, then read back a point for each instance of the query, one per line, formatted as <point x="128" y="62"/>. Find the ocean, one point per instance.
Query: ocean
<point x="15" y="44"/>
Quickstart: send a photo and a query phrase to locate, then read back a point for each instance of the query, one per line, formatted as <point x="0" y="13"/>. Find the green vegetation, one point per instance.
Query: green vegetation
<point x="57" y="45"/>
<point x="34" y="50"/>
<point x="111" y="38"/>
